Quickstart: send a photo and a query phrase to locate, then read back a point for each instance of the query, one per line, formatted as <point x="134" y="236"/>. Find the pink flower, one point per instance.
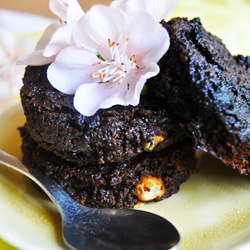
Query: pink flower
<point x="58" y="35"/>
<point x="112" y="55"/>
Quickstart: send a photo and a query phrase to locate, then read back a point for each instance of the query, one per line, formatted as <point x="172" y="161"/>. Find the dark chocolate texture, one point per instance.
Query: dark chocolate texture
<point x="109" y="184"/>
<point x="113" y="135"/>
<point x="206" y="88"/>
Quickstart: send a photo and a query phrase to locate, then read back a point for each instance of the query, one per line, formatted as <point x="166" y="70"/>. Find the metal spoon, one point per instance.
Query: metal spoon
<point x="90" y="228"/>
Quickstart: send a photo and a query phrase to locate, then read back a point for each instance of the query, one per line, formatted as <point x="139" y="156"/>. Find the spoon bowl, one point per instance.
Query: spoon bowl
<point x="93" y="228"/>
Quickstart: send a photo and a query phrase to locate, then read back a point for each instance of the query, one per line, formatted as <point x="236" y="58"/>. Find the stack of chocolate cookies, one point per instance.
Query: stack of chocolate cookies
<point x="124" y="156"/>
<point x="119" y="157"/>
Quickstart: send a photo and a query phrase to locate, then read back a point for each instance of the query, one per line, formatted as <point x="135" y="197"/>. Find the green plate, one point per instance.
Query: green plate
<point x="211" y="210"/>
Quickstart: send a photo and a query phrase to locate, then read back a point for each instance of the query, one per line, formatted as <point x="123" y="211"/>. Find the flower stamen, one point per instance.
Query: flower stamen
<point x="116" y="68"/>
<point x="96" y="64"/>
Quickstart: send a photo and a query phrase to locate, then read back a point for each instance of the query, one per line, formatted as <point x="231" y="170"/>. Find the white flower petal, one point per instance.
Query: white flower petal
<point x="69" y="11"/>
<point x="59" y="8"/>
<point x="129" y="6"/>
<point x="148" y="40"/>
<point x="152" y="70"/>
<point x="98" y="25"/>
<point x="59" y="40"/>
<point x="137" y="81"/>
<point x="71" y="68"/>
<point x="35" y="59"/>
<point x="74" y="12"/>
<point x="90" y="97"/>
<point x="46" y="37"/>
<point x="56" y="37"/>
<point x="158" y="9"/>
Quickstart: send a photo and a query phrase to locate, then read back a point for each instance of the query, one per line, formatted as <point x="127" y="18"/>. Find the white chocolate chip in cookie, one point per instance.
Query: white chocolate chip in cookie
<point x="149" y="146"/>
<point x="150" y="188"/>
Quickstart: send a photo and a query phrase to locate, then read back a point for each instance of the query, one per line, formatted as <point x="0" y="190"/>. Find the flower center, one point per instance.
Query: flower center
<point x="117" y="68"/>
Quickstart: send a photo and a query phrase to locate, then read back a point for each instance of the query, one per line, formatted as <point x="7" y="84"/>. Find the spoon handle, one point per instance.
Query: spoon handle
<point x="50" y="187"/>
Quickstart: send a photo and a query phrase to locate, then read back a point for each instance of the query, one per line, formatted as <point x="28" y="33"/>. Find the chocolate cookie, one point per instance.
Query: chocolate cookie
<point x="147" y="177"/>
<point x="208" y="90"/>
<point x="112" y="135"/>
